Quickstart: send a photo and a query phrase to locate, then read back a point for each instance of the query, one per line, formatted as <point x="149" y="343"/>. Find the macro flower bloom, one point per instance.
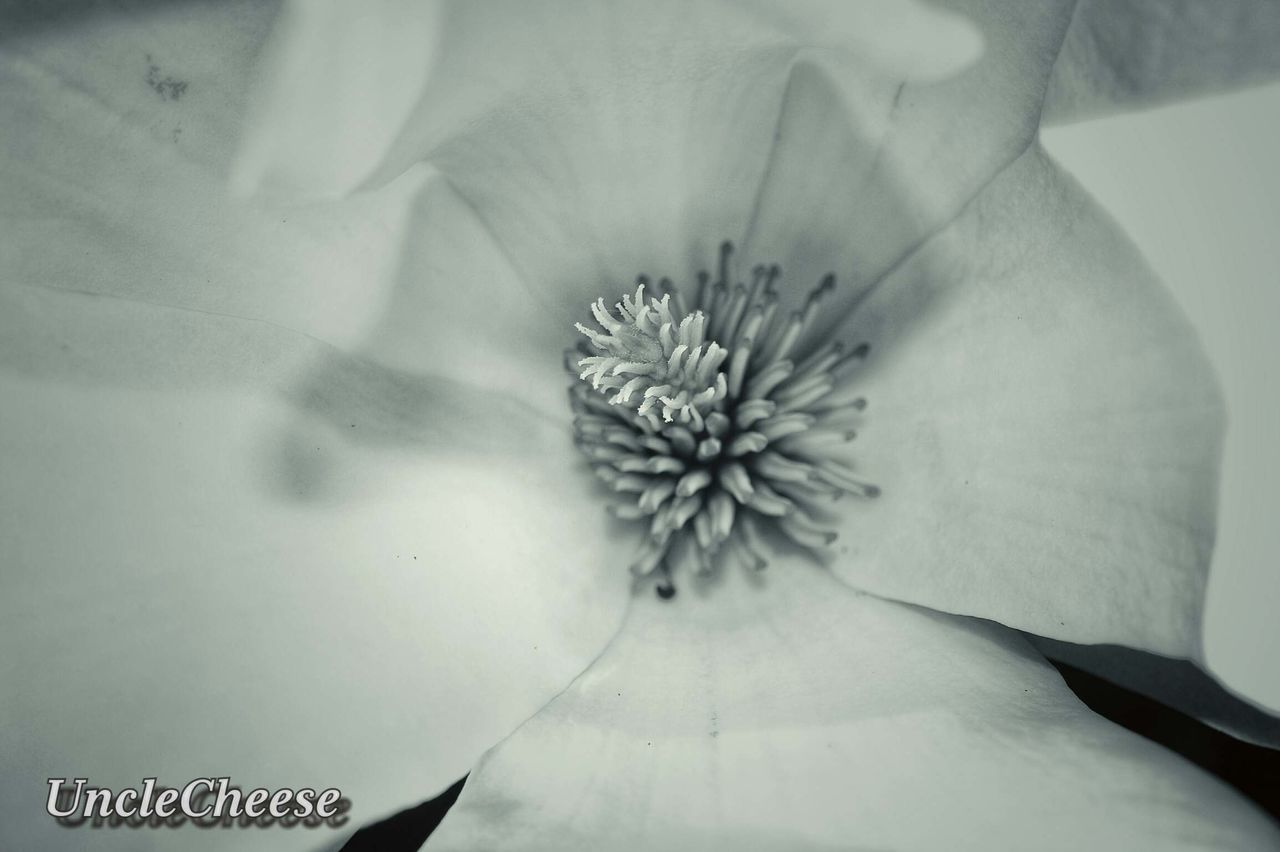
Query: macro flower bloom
<point x="290" y="485"/>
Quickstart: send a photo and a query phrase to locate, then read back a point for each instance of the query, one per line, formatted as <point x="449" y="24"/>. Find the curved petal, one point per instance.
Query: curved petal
<point x="865" y="168"/>
<point x="1043" y="424"/>
<point x="173" y="609"/>
<point x="791" y="713"/>
<point x="601" y="141"/>
<point x="327" y="119"/>
<point x="1136" y="53"/>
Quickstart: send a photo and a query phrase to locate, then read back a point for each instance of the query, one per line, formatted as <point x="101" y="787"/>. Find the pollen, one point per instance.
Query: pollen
<point x="720" y="423"/>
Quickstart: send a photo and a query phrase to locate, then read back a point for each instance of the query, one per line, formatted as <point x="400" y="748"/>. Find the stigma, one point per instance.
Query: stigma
<point x="718" y="421"/>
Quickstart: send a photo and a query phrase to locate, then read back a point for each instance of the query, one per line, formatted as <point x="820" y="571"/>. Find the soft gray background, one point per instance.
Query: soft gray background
<point x="1197" y="186"/>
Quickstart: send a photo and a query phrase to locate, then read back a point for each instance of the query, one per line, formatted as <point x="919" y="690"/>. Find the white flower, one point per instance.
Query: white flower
<point x="422" y="557"/>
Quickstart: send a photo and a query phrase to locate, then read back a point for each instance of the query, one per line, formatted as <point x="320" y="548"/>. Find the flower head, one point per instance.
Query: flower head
<point x="307" y="464"/>
<point x="717" y="414"/>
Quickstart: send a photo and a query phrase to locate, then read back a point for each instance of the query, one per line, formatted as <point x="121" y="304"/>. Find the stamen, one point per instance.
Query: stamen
<point x="716" y="421"/>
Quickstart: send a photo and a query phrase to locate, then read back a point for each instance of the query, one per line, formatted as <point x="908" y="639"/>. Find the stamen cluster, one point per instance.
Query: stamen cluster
<point x="717" y="421"/>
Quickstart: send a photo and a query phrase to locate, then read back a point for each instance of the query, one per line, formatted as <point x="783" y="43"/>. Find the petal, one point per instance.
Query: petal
<point x="601" y="140"/>
<point x="791" y="713"/>
<point x="207" y="570"/>
<point x="107" y="187"/>
<point x="1043" y="424"/>
<point x="1136" y="53"/>
<point x="178" y="76"/>
<point x="172" y="607"/>
<point x="866" y="168"/>
<point x="339" y="83"/>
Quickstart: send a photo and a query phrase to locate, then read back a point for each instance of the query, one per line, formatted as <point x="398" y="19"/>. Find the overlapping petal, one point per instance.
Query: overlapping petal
<point x="1084" y="524"/>
<point x="1127" y="54"/>
<point x="792" y="713"/>
<point x="1044" y="425"/>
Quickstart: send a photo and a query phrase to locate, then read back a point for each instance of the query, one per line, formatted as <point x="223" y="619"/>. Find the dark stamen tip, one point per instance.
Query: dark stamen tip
<point x="666" y="591"/>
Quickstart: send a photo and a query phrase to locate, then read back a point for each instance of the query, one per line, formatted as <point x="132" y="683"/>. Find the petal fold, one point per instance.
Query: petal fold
<point x="790" y="713"/>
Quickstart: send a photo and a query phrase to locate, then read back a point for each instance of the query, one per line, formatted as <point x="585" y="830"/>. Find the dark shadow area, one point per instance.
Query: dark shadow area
<point x="1253" y="770"/>
<point x="1176" y="684"/>
<point x="23" y="17"/>
<point x="407" y="830"/>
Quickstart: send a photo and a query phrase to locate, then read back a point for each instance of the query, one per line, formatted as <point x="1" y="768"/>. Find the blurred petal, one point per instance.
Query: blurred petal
<point x="866" y="168"/>
<point x="110" y="187"/>
<point x="1127" y="54"/>
<point x="601" y="141"/>
<point x="1043" y="424"/>
<point x="1175" y="683"/>
<point x="177" y="73"/>
<point x="800" y="715"/>
<point x="341" y="80"/>
<point x="173" y="609"/>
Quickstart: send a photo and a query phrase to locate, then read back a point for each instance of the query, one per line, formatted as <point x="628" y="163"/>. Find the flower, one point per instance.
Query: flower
<point x="1042" y="424"/>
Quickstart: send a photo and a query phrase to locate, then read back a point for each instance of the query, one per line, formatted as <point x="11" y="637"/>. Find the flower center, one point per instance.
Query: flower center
<point x="717" y="421"/>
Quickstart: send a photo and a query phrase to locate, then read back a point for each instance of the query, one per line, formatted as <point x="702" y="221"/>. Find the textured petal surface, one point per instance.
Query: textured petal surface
<point x="1044" y="426"/>
<point x="795" y="714"/>
<point x="1124" y="54"/>
<point x="208" y="519"/>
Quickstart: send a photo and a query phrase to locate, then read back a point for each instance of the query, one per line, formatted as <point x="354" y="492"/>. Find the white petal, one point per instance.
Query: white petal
<point x="1136" y="53"/>
<point x="1044" y="426"/>
<point x="865" y="168"/>
<point x="108" y="187"/>
<point x="1042" y="422"/>
<point x="209" y="522"/>
<point x="601" y="140"/>
<point x="794" y="714"/>
<point x="186" y="595"/>
<point x="340" y="80"/>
